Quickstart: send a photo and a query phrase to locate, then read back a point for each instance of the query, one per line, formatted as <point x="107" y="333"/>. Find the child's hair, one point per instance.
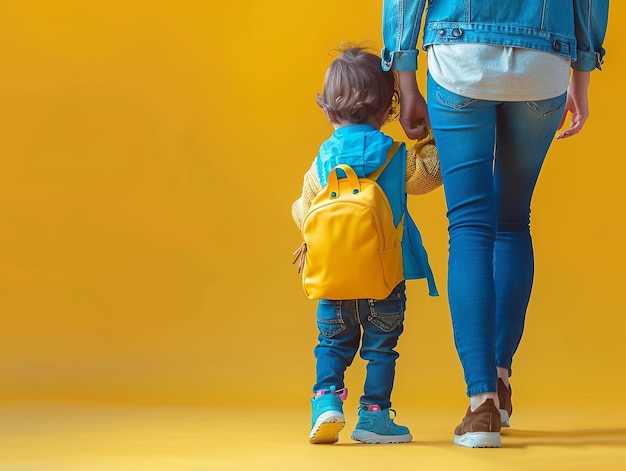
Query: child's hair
<point x="356" y="88"/>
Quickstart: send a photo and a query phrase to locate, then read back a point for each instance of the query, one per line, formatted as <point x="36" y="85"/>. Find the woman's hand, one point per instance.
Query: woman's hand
<point x="577" y="103"/>
<point x="413" y="110"/>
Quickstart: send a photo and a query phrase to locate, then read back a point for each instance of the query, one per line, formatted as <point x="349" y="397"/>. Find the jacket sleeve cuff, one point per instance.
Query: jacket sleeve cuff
<point x="586" y="61"/>
<point x="400" y="60"/>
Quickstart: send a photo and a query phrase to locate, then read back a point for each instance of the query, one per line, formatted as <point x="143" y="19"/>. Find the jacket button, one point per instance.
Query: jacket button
<point x="556" y="46"/>
<point x="457" y="32"/>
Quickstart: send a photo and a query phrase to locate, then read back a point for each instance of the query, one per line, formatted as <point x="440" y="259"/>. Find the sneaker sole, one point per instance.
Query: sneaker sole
<point x="327" y="427"/>
<point x="479" y="440"/>
<point x="364" y="436"/>
<point x="504" y="418"/>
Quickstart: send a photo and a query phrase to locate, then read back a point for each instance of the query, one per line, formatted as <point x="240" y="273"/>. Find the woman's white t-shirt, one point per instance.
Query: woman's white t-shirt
<point x="498" y="73"/>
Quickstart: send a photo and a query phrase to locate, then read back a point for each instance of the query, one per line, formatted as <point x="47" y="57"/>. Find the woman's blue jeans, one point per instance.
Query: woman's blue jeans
<point x="375" y="325"/>
<point x="491" y="153"/>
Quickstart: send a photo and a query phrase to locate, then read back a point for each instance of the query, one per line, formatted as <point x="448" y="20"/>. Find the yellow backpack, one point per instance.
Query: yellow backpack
<point x="352" y="248"/>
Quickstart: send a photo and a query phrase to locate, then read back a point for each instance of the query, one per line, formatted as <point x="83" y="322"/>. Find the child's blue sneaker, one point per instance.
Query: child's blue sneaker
<point x="327" y="419"/>
<point x="376" y="426"/>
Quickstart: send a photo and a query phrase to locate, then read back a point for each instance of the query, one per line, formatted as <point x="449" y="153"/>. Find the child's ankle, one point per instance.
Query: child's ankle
<point x="371" y="407"/>
<point x="342" y="393"/>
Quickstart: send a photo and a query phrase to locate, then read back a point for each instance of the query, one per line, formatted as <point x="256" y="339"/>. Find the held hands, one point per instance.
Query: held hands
<point x="413" y="111"/>
<point x="577" y="104"/>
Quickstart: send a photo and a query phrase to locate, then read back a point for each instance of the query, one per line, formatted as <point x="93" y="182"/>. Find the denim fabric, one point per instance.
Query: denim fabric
<point x="491" y="154"/>
<point x="573" y="29"/>
<point x="375" y="325"/>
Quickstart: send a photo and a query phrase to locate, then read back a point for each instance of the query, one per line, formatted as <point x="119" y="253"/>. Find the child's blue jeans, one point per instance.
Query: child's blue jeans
<point x="375" y="325"/>
<point x="491" y="154"/>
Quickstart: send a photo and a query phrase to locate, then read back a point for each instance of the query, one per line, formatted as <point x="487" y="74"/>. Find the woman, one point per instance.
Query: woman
<point x="502" y="77"/>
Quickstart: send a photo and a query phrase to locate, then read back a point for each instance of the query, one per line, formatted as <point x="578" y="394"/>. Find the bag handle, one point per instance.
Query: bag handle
<point x="333" y="180"/>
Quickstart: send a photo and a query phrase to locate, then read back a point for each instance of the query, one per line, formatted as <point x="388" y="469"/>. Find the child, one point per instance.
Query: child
<point x="358" y="98"/>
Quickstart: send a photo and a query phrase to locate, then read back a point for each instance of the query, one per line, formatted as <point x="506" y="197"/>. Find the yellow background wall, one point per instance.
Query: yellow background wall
<point x="150" y="154"/>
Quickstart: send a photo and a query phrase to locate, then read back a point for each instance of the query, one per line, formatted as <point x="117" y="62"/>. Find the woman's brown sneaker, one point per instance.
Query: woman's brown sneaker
<point x="506" y="407"/>
<point x="481" y="428"/>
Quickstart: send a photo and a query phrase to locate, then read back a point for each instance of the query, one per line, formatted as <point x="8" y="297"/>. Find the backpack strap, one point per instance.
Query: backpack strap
<point x="390" y="153"/>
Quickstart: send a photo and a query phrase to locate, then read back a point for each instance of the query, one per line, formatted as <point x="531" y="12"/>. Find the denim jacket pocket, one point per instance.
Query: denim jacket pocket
<point x="329" y="319"/>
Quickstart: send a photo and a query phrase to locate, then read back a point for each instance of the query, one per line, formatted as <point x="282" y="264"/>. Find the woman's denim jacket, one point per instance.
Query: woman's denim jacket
<point x="574" y="29"/>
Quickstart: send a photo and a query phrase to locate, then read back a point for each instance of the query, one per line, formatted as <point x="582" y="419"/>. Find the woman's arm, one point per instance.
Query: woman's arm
<point x="590" y="24"/>
<point x="401" y="27"/>
<point x="401" y="22"/>
<point x="413" y="110"/>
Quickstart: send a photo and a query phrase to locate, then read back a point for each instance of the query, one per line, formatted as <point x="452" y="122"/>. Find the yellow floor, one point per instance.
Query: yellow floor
<point x="202" y="439"/>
